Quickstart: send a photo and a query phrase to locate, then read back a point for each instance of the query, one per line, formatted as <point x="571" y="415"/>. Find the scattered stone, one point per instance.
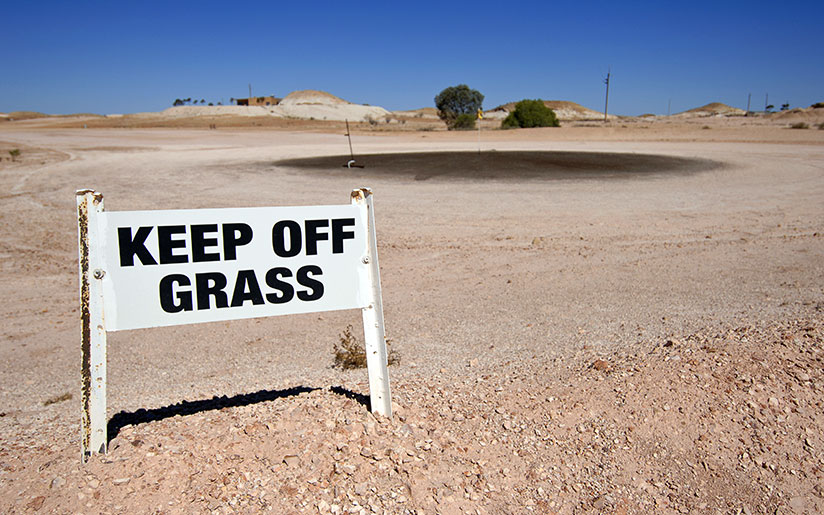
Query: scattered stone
<point x="602" y="366"/>
<point x="36" y="503"/>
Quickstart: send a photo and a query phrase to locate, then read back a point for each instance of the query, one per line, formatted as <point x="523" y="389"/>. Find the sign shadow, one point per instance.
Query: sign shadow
<point x="183" y="408"/>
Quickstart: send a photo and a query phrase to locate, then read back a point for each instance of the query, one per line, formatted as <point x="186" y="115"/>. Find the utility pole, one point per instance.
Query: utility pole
<point x="749" y="97"/>
<point x="606" y="102"/>
<point x="766" y="101"/>
<point x="250" y="92"/>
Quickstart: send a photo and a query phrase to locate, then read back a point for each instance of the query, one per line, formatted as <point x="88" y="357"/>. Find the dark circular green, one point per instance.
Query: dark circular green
<point x="503" y="165"/>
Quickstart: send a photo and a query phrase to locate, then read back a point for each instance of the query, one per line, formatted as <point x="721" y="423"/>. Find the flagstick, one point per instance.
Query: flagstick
<point x="479" y="116"/>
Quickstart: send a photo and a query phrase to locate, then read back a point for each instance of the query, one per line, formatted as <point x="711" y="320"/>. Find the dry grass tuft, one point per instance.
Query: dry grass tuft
<point x="60" y="398"/>
<point x="351" y="354"/>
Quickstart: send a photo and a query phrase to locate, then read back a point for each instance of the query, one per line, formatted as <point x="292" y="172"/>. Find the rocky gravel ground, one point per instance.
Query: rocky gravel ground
<point x="728" y="420"/>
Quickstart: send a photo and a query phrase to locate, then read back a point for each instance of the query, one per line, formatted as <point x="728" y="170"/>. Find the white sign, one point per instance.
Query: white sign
<point x="142" y="269"/>
<point x="190" y="266"/>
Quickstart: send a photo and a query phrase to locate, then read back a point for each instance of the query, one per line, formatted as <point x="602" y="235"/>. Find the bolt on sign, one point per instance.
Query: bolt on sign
<point x="142" y="269"/>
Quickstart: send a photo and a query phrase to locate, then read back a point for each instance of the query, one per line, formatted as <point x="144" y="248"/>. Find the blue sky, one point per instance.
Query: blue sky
<point x="113" y="57"/>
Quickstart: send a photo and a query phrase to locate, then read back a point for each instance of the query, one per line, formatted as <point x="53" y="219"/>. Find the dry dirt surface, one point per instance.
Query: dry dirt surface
<point x="595" y="343"/>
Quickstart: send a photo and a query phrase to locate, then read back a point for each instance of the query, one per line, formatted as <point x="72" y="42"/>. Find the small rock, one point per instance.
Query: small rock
<point x="798" y="504"/>
<point x="803" y="377"/>
<point x="58" y="482"/>
<point x="94" y="483"/>
<point x="36" y="503"/>
<point x="773" y="402"/>
<point x="323" y="506"/>
<point x="601" y="365"/>
<point x="366" y="452"/>
<point x="291" y="460"/>
<point x="405" y="430"/>
<point x="121" y="481"/>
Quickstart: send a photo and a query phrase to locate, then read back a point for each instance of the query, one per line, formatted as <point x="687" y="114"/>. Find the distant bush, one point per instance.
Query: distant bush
<point x="799" y="125"/>
<point x="464" y="122"/>
<point x="820" y="126"/>
<point x="530" y="113"/>
<point x="456" y="101"/>
<point x="817" y="105"/>
<point x="14" y="153"/>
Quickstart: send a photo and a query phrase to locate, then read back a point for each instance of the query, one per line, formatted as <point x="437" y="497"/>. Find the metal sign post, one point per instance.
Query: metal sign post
<point x="374" y="333"/>
<point x="93" y="329"/>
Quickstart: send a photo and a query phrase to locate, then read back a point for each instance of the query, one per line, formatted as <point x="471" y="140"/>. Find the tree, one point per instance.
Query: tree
<point x="178" y="102"/>
<point x="14" y="153"/>
<point x="530" y="113"/>
<point x="785" y="106"/>
<point x="458" y="100"/>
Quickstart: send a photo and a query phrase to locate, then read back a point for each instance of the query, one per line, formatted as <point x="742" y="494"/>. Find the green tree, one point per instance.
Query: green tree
<point x="530" y="113"/>
<point x="14" y="153"/>
<point x="458" y="100"/>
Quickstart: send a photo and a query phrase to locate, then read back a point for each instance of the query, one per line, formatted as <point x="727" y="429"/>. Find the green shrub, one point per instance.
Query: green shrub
<point x="14" y="153"/>
<point x="464" y="122"/>
<point x="817" y="105"/>
<point x="799" y="125"/>
<point x="458" y="100"/>
<point x="530" y="113"/>
<point x="820" y="126"/>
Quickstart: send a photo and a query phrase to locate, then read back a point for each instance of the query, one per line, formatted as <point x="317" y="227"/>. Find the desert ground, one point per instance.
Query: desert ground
<point x="630" y="322"/>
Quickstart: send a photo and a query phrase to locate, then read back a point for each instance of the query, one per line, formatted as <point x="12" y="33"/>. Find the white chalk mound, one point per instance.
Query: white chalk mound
<point x="305" y="105"/>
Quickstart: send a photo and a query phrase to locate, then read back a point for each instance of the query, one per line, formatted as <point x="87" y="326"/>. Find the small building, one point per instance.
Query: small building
<point x="258" y="101"/>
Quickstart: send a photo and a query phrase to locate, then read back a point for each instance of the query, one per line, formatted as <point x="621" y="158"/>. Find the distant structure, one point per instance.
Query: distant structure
<point x="258" y="101"/>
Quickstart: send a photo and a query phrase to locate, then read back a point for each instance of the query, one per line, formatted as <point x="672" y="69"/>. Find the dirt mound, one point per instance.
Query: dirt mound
<point x="713" y="109"/>
<point x="312" y="97"/>
<point x="809" y="115"/>
<point x="423" y="112"/>
<point x="699" y="423"/>
<point x="564" y="110"/>
<point x="26" y="115"/>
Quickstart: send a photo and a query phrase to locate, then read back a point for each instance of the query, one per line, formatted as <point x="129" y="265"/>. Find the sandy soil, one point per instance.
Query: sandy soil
<point x="630" y="344"/>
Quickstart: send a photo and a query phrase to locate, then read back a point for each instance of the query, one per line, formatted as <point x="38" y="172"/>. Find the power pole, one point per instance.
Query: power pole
<point x="606" y="101"/>
<point x="766" y="101"/>
<point x="749" y="97"/>
<point x="250" y="92"/>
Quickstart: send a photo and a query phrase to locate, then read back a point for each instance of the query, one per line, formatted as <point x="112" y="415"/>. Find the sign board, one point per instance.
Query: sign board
<point x="190" y="266"/>
<point x="141" y="269"/>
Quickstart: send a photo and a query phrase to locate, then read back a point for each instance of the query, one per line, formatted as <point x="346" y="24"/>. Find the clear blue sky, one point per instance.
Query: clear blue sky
<point x="121" y="57"/>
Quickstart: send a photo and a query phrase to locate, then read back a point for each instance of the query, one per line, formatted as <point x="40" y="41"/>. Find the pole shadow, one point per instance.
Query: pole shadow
<point x="142" y="416"/>
<point x="349" y="394"/>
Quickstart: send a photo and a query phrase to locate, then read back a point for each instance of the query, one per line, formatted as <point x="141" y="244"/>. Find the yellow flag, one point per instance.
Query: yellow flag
<point x="480" y="114"/>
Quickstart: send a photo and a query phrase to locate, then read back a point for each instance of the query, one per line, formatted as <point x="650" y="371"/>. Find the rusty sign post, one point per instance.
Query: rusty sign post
<point x="142" y="269"/>
<point x="93" y="329"/>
